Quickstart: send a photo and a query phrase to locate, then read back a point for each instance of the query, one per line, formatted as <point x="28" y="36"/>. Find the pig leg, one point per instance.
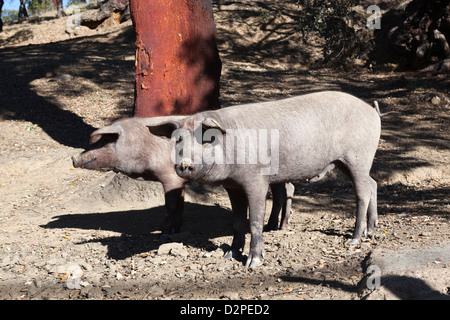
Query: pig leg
<point x="256" y="194"/>
<point x="287" y="206"/>
<point x="364" y="193"/>
<point x="174" y="202"/>
<point x="365" y="190"/>
<point x="372" y="213"/>
<point x="278" y="202"/>
<point x="239" y="206"/>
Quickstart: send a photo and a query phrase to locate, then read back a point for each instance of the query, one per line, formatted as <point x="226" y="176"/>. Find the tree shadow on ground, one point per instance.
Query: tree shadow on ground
<point x="392" y="286"/>
<point x="401" y="287"/>
<point x="140" y="229"/>
<point x="87" y="57"/>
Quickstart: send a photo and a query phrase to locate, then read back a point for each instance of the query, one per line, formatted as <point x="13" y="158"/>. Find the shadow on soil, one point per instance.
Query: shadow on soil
<point x="78" y="57"/>
<point x="398" y="287"/>
<point x="140" y="229"/>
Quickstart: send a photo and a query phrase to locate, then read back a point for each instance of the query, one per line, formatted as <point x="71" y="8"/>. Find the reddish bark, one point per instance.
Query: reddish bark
<point x="58" y="4"/>
<point x="177" y="62"/>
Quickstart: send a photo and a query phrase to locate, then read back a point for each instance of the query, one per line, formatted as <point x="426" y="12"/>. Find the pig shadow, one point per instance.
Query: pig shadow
<point x="140" y="229"/>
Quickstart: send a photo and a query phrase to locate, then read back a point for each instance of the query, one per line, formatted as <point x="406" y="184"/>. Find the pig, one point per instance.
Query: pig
<point x="127" y="146"/>
<point x="312" y="134"/>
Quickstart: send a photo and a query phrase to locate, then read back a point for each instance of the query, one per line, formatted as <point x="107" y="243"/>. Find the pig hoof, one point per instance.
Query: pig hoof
<point x="352" y="242"/>
<point x="371" y="231"/>
<point x="253" y="261"/>
<point x="230" y="254"/>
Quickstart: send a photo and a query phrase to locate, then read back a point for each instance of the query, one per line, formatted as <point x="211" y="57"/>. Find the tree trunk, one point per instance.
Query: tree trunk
<point x="58" y="4"/>
<point x="1" y="22"/>
<point x="22" y="11"/>
<point x="177" y="62"/>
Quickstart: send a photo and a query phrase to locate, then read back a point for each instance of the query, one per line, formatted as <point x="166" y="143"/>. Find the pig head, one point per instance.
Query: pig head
<point x="127" y="146"/>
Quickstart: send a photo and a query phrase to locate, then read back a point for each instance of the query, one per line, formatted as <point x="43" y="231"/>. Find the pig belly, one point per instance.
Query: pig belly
<point x="310" y="173"/>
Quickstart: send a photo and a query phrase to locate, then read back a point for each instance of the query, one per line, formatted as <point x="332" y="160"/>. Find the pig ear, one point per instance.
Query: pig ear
<point x="209" y="123"/>
<point x="112" y="129"/>
<point x="164" y="129"/>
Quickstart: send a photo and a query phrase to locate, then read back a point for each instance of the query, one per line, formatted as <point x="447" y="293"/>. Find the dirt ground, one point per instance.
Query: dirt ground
<point x="69" y="233"/>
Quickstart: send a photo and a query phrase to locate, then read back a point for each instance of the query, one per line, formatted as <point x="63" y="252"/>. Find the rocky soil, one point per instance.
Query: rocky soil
<point x="69" y="233"/>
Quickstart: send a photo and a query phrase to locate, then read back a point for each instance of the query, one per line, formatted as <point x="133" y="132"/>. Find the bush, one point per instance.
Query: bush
<point x="9" y="15"/>
<point x="36" y="7"/>
<point x="336" y="22"/>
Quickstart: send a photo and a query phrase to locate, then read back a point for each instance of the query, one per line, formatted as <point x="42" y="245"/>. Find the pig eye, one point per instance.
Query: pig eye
<point x="179" y="139"/>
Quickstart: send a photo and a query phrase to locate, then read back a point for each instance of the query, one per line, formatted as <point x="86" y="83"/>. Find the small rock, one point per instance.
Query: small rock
<point x="175" y="249"/>
<point x="435" y="100"/>
<point x="74" y="271"/>
<point x="181" y="252"/>
<point x="165" y="248"/>
<point x="73" y="283"/>
<point x="298" y="267"/>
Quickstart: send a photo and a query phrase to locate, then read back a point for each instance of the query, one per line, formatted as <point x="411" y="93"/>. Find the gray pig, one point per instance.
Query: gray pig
<point x="309" y="136"/>
<point x="127" y="146"/>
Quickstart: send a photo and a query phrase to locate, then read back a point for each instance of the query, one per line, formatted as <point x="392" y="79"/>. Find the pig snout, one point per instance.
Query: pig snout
<point x="82" y="162"/>
<point x="75" y="162"/>
<point x="185" y="168"/>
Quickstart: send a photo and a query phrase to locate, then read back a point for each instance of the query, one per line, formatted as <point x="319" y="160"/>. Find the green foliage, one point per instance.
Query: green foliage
<point x="36" y="7"/>
<point x="9" y="15"/>
<point x="75" y="2"/>
<point x="333" y="21"/>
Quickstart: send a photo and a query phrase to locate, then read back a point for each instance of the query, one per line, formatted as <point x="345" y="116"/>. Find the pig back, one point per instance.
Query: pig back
<point x="314" y="130"/>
